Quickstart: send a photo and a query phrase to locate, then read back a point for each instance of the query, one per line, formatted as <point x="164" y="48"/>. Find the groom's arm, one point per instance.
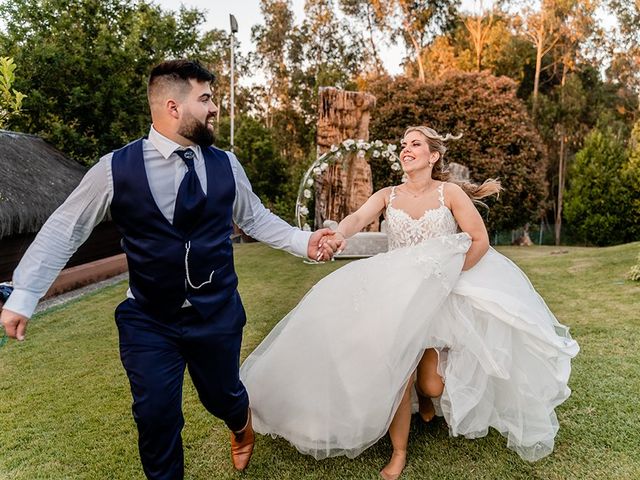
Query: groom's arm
<point x="260" y="223"/>
<point x="65" y="230"/>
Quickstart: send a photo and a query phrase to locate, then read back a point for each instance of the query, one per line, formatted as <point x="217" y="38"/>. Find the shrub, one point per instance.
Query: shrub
<point x="599" y="200"/>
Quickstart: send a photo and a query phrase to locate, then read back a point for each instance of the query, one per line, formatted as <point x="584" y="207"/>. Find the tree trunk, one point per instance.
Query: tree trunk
<point x="374" y="50"/>
<point x="341" y="191"/>
<point x="536" y="80"/>
<point x="561" y="175"/>
<point x="479" y="41"/>
<point x="561" y="163"/>
<point x="416" y="46"/>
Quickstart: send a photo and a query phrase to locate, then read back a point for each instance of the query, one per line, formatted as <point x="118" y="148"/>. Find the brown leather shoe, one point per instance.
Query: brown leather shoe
<point x="242" y="445"/>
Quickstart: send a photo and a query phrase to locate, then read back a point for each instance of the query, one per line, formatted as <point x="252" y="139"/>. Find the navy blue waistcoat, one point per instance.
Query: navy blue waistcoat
<point x="156" y="250"/>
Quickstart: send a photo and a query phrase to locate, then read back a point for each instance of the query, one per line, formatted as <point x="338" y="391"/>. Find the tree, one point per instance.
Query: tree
<point x="624" y="46"/>
<point x="273" y="42"/>
<point x="568" y="111"/>
<point x="503" y="51"/>
<point x="498" y="139"/>
<point x="417" y="22"/>
<point x="256" y="149"/>
<point x="479" y="31"/>
<point x="298" y="60"/>
<point x="560" y="123"/>
<point x="10" y="98"/>
<point x="421" y="21"/>
<point x="214" y="49"/>
<point x="85" y="65"/>
<point x="599" y="200"/>
<point x="578" y="25"/>
<point x="333" y="53"/>
<point x="543" y="29"/>
<point x="370" y="18"/>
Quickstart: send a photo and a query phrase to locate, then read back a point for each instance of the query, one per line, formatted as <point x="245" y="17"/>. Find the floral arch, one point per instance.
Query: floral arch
<point x="339" y="154"/>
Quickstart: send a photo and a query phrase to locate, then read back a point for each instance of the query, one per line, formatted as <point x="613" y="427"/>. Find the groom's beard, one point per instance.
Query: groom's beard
<point x="197" y="132"/>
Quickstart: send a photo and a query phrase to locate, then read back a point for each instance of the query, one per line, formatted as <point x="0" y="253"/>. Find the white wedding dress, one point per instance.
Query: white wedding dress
<point x="330" y="375"/>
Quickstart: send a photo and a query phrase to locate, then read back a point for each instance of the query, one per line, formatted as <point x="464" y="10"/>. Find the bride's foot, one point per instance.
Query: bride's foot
<point x="425" y="408"/>
<point x="394" y="468"/>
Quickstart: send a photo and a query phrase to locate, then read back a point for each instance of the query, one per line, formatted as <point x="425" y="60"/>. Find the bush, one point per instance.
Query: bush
<point x="600" y="198"/>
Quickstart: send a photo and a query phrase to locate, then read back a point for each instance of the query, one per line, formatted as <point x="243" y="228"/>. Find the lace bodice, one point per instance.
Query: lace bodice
<point x="403" y="230"/>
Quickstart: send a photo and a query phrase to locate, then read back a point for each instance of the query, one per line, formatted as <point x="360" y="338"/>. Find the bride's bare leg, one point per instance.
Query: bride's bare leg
<point x="399" y="433"/>
<point x="429" y="384"/>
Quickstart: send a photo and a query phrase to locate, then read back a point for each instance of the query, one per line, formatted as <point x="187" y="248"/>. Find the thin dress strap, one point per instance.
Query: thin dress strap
<point x="441" y="192"/>
<point x="393" y="195"/>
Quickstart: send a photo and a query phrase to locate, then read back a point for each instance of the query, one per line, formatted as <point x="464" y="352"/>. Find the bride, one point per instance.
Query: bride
<point x="440" y="316"/>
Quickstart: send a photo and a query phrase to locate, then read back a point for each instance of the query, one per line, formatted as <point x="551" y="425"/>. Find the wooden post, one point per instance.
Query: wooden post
<point x="341" y="191"/>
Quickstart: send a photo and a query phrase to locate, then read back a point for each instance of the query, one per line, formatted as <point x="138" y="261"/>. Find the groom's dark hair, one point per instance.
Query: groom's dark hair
<point x="177" y="73"/>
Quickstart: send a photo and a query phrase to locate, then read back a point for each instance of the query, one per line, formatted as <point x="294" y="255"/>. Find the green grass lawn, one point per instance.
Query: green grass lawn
<point x="65" y="401"/>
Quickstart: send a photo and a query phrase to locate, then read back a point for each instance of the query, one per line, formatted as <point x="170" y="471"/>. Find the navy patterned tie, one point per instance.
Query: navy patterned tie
<point x="191" y="199"/>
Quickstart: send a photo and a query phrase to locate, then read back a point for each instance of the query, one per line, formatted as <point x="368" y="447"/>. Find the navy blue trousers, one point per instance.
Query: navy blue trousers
<point x="154" y="353"/>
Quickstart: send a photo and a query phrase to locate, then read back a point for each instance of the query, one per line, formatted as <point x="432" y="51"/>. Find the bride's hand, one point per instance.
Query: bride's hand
<point x="319" y="248"/>
<point x="335" y="240"/>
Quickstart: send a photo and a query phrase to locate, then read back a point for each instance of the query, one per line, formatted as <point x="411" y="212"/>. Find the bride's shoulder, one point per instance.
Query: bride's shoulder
<point x="452" y="188"/>
<point x="384" y="192"/>
<point x="453" y="194"/>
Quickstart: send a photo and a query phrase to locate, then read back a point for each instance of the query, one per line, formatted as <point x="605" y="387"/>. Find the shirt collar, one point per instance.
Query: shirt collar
<point x="167" y="146"/>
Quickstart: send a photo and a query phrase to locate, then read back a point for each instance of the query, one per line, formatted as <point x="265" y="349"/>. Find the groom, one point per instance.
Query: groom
<point x="174" y="198"/>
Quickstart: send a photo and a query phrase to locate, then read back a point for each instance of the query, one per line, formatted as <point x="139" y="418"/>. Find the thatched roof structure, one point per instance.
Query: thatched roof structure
<point x="35" y="179"/>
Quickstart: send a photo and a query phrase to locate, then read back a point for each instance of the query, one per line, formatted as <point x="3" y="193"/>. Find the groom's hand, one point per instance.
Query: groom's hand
<point x="335" y="241"/>
<point x="319" y="247"/>
<point x="15" y="325"/>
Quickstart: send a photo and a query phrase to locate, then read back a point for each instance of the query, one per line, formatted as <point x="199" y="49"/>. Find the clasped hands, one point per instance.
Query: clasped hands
<point x="324" y="243"/>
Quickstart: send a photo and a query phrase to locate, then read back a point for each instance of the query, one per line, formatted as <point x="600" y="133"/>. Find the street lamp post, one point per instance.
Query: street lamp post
<point x="234" y="29"/>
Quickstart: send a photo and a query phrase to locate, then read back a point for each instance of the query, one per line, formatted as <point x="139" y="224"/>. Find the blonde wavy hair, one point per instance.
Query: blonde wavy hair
<point x="441" y="172"/>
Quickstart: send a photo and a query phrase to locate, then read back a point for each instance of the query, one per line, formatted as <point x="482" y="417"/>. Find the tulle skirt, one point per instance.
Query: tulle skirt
<point x="330" y="376"/>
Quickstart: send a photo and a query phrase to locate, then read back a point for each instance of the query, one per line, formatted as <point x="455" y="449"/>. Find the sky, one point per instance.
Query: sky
<point x="247" y="13"/>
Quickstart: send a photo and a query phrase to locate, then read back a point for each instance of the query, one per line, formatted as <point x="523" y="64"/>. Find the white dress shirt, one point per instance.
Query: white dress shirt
<point x="71" y="224"/>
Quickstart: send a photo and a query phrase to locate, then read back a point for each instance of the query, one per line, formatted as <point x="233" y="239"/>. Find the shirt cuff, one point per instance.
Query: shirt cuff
<point x="300" y="243"/>
<point x="22" y="302"/>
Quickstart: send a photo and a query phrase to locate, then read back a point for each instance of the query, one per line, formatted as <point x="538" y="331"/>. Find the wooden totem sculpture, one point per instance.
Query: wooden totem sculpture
<point x="343" y="189"/>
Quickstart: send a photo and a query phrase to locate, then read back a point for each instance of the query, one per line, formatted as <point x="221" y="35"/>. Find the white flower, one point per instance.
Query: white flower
<point x="310" y="182"/>
<point x="338" y="155"/>
<point x="376" y="154"/>
<point x="317" y="171"/>
<point x="334" y="148"/>
<point x="306" y="227"/>
<point x="377" y="144"/>
<point x="307" y="193"/>
<point x="304" y="210"/>
<point x="361" y="153"/>
<point x="395" y="166"/>
<point x="347" y="143"/>
<point x="366" y="145"/>
<point x="324" y="166"/>
<point x="385" y="153"/>
<point x="392" y="148"/>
